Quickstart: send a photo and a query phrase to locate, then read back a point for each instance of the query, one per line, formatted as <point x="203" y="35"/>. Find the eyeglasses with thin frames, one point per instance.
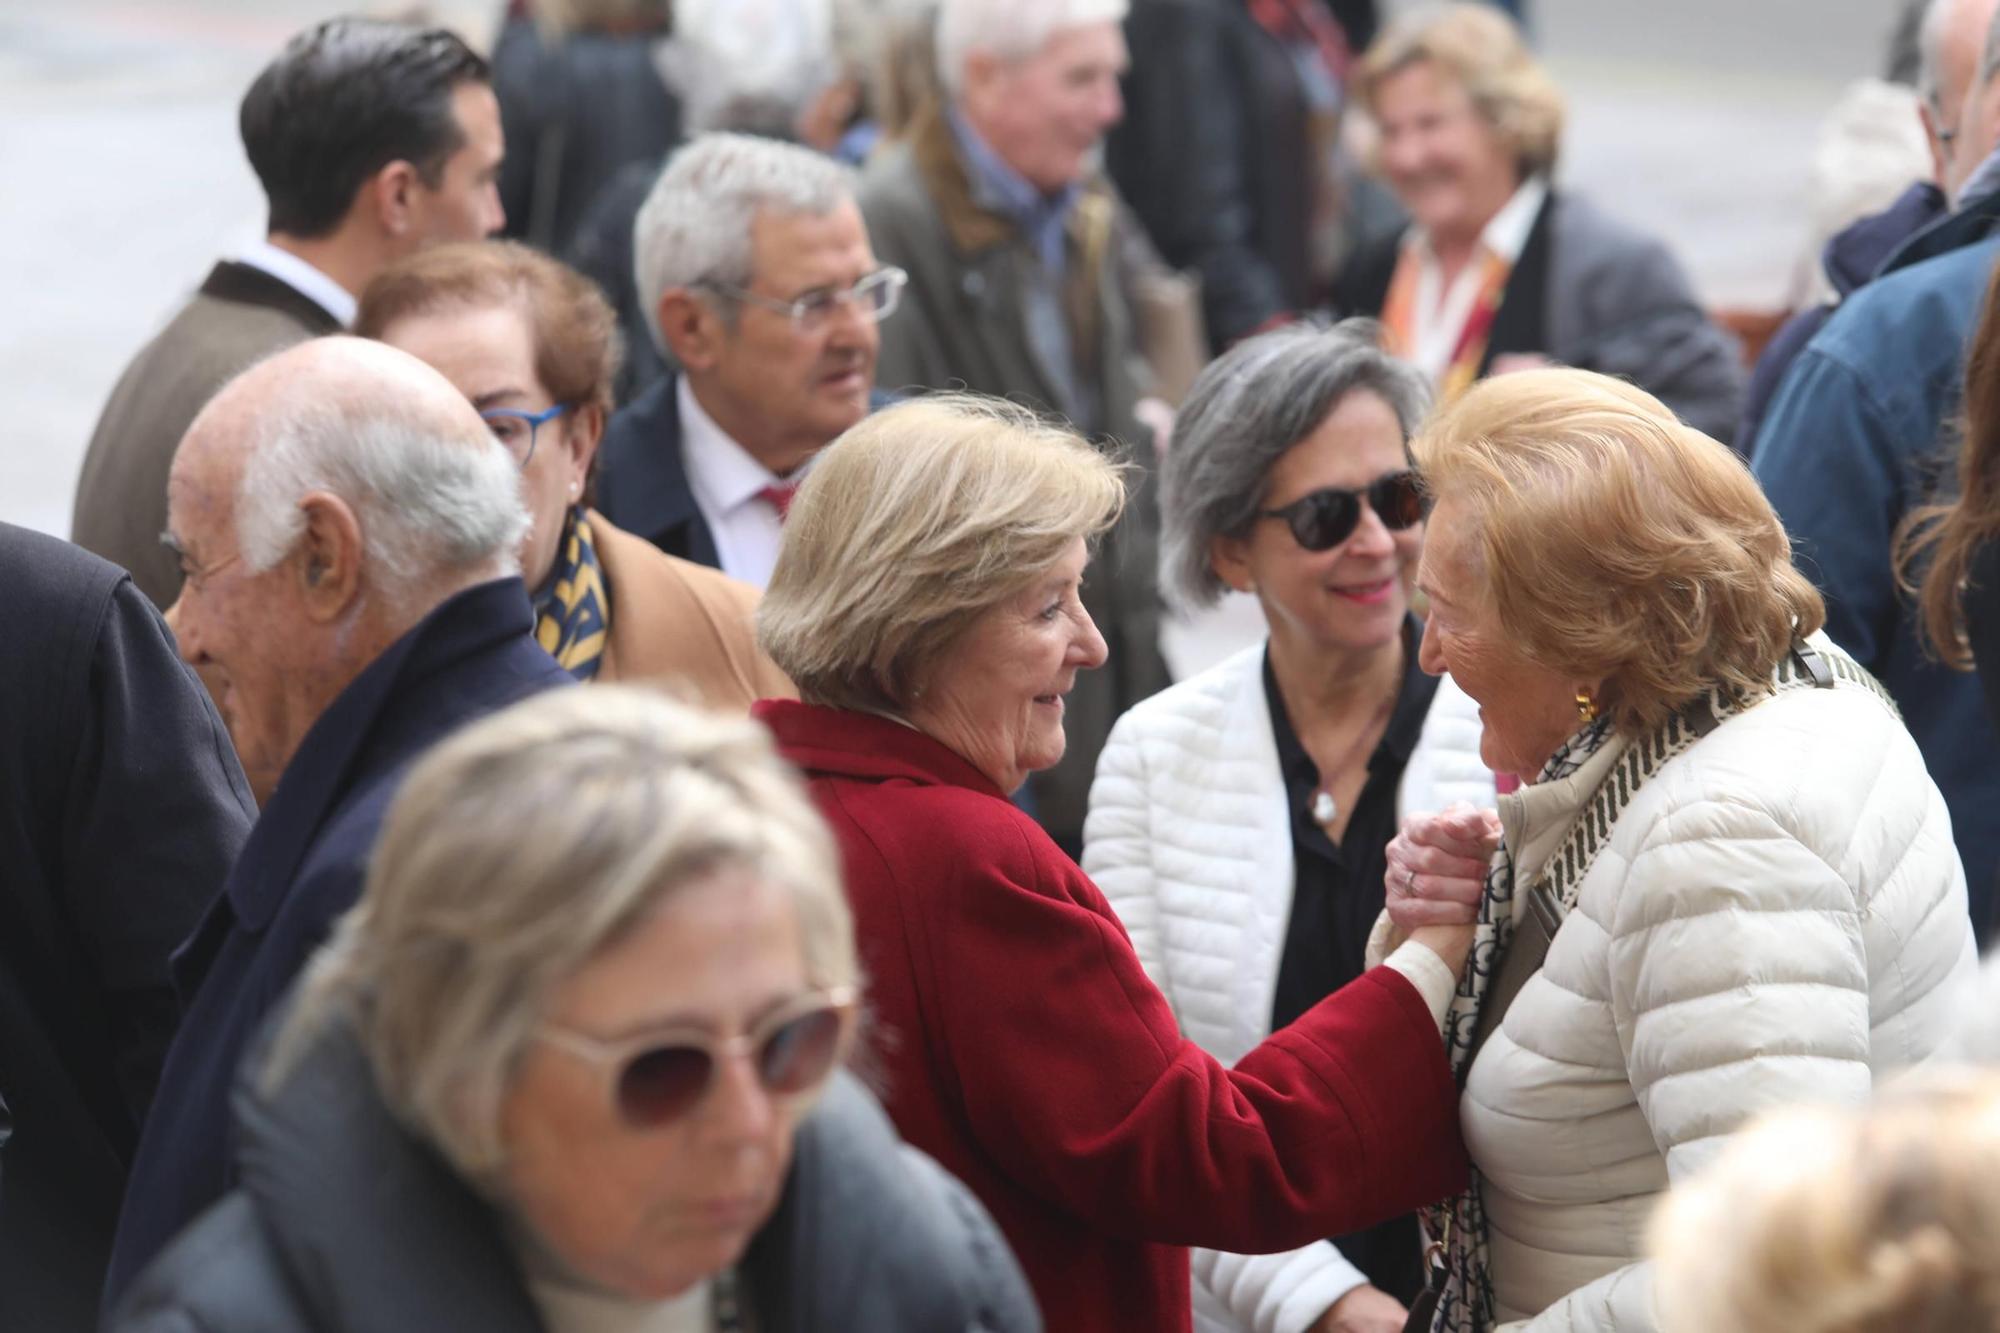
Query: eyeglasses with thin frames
<point x="516" y="428"/>
<point x="874" y="296"/>
<point x="657" y="1077"/>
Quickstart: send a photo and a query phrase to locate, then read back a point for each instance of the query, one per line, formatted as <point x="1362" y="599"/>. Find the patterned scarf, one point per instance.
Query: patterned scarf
<point x="1399" y="318"/>
<point x="573" y="616"/>
<point x="1466" y="1304"/>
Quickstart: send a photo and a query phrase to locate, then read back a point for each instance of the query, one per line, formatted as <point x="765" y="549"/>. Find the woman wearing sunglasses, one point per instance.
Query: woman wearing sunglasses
<point x="570" y="1066"/>
<point x="533" y="345"/>
<point x="1239" y="819"/>
<point x="926" y="600"/>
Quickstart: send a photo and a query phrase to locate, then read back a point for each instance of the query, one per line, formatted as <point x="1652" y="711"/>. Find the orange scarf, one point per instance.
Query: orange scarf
<point x="1399" y="319"/>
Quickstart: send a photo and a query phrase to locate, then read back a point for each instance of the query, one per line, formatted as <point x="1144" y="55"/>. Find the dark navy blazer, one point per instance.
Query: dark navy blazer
<point x="121" y="812"/>
<point x="642" y="480"/>
<point x="302" y="867"/>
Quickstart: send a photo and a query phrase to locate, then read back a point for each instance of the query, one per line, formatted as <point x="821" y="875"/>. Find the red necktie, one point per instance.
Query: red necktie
<point x="779" y="497"/>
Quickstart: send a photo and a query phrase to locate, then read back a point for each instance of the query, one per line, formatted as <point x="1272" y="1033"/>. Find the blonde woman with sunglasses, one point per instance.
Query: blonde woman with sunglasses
<point x="572" y="1065"/>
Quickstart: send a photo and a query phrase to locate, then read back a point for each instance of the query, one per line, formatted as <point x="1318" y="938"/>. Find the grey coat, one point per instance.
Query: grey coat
<point x="239" y="316"/>
<point x="1594" y="292"/>
<point x="964" y="325"/>
<point x="345" y="1223"/>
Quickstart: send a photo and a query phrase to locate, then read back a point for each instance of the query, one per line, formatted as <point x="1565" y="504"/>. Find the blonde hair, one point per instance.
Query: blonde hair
<point x="1480" y="48"/>
<point x="913" y="523"/>
<point x="1831" y="1221"/>
<point x="516" y="852"/>
<point x="1616" y="542"/>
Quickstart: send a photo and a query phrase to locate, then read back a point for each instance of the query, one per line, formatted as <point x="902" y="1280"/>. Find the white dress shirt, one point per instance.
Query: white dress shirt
<point x="1441" y="310"/>
<point x="726" y="480"/>
<point x="302" y="278"/>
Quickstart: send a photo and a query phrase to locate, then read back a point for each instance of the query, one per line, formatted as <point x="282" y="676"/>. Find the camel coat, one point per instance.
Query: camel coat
<point x="673" y="620"/>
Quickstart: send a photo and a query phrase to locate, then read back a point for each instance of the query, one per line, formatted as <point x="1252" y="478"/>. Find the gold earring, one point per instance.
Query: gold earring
<point x="1586" y="707"/>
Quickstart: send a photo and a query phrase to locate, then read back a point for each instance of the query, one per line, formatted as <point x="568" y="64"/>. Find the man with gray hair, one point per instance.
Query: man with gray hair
<point x="1015" y="253"/>
<point x="347" y="527"/>
<point x="761" y="289"/>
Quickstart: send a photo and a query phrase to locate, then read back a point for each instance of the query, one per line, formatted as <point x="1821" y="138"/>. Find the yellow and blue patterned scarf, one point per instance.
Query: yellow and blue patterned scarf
<point x="573" y="614"/>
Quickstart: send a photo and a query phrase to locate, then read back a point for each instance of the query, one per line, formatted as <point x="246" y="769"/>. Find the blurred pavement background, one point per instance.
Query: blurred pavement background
<point x="123" y="177"/>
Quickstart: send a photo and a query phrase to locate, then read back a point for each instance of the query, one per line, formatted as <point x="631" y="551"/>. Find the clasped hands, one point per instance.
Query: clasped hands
<point x="1436" y="873"/>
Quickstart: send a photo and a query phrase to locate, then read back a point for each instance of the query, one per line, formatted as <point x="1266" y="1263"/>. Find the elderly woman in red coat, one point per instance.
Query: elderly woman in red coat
<point x="926" y="604"/>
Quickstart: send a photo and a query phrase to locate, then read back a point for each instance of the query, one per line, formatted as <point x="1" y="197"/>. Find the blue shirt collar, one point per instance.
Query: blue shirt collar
<point x="999" y="187"/>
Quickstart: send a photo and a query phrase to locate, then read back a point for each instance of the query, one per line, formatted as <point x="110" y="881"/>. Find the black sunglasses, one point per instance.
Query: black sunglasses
<point x="660" y="1077"/>
<point x="1324" y="519"/>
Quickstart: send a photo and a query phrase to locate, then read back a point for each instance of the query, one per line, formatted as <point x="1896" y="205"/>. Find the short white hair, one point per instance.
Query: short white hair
<point x="1009" y="29"/>
<point x="430" y="507"/>
<point x="694" y="228"/>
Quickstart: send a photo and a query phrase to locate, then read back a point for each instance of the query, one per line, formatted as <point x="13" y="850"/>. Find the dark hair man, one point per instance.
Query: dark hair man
<point x="371" y="139"/>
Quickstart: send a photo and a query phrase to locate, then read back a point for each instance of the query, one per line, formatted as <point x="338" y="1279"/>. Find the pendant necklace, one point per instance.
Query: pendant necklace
<point x="1324" y="809"/>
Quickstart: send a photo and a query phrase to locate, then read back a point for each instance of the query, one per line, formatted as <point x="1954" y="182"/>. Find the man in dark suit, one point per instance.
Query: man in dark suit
<point x="762" y="290"/>
<point x="370" y="140"/>
<point x="348" y="529"/>
<point x="121" y="812"/>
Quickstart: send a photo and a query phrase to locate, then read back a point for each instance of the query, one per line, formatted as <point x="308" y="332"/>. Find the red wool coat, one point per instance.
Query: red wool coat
<point x="1026" y="1050"/>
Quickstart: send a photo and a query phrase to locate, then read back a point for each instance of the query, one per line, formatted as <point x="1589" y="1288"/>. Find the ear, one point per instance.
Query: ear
<point x="395" y="193"/>
<point x="327" y="562"/>
<point x="691" y="329"/>
<point x="1229" y="557"/>
<point x="982" y="71"/>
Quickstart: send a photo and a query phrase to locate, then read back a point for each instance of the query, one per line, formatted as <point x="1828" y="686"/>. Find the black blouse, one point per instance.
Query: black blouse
<point x="1336" y="896"/>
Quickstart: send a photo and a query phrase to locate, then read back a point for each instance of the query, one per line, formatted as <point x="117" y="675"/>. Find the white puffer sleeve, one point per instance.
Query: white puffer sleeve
<point x="1277" y="1293"/>
<point x="1118" y="844"/>
<point x="1739" y="983"/>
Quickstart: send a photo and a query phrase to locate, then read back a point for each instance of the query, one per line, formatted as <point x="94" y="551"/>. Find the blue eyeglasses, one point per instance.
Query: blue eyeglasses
<point x="516" y="429"/>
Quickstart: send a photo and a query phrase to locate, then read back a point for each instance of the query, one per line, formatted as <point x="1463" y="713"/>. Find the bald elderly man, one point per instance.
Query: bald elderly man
<point x="347" y="528"/>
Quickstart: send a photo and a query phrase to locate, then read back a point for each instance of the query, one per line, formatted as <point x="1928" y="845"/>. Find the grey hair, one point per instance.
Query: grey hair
<point x="429" y="507"/>
<point x="519" y="850"/>
<point x="1009" y="29"/>
<point x="1244" y="412"/>
<point x="694" y="228"/>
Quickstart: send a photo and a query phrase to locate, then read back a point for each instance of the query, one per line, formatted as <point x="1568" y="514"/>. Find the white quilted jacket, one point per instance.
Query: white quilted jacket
<point x="1779" y="915"/>
<point x="1189" y="838"/>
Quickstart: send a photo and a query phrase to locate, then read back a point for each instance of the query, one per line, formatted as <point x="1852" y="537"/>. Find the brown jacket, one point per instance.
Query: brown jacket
<point x="239" y="316"/>
<point x="682" y="623"/>
<point x="964" y="324"/>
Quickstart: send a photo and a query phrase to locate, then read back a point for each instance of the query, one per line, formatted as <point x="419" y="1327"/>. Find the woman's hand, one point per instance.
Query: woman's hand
<point x="1362" y="1310"/>
<point x="1436" y="868"/>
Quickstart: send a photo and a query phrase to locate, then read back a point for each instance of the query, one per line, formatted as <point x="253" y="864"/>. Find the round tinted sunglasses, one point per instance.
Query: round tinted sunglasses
<point x="1324" y="519"/>
<point x="658" y="1077"/>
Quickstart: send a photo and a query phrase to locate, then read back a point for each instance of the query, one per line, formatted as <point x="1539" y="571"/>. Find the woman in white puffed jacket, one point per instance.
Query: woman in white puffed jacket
<point x="1239" y="819"/>
<point x="1736" y="876"/>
